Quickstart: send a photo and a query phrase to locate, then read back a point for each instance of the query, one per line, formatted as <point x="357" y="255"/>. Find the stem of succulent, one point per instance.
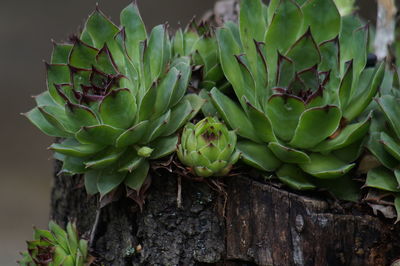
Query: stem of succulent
<point x="94" y="228"/>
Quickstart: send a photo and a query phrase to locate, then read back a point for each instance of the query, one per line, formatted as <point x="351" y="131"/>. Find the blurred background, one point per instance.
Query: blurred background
<point x="26" y="28"/>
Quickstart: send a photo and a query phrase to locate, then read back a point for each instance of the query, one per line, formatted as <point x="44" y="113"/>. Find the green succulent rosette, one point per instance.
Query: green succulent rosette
<point x="208" y="148"/>
<point x="56" y="247"/>
<point x="303" y="89"/>
<point x="116" y="97"/>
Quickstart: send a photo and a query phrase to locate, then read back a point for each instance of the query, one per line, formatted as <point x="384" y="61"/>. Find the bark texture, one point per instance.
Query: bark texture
<point x="263" y="225"/>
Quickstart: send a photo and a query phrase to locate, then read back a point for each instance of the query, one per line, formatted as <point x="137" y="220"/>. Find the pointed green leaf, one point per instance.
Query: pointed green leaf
<point x="391" y="145"/>
<point x="326" y="166"/>
<point x="391" y="108"/>
<point x="80" y="116"/>
<point x="133" y="135"/>
<point x="284" y="112"/>
<point x="109" y="180"/>
<point x="258" y="156"/>
<point x="179" y="116"/>
<point x="315" y="125"/>
<point x="37" y="118"/>
<point x="101" y="134"/>
<point x="252" y="28"/>
<point x="304" y="53"/>
<point x="73" y="165"/>
<point x="100" y="28"/>
<point x="288" y="155"/>
<point x="154" y="54"/>
<point x="57" y="74"/>
<point x="136" y="179"/>
<point x="60" y="53"/>
<point x="165" y="91"/>
<point x="347" y="136"/>
<point x="360" y="102"/>
<point x="323" y="18"/>
<point x="233" y="115"/>
<point x="345" y="88"/>
<point x="262" y="124"/>
<point x="82" y="55"/>
<point x="118" y="108"/>
<point x="135" y="31"/>
<point x="183" y="66"/>
<point x="156" y="127"/>
<point x="91" y="178"/>
<point x="382" y="178"/>
<point x="330" y="56"/>
<point x="163" y="146"/>
<point x="73" y="148"/>
<point x="284" y="29"/>
<point x="105" y="159"/>
<point x="196" y="102"/>
<point x="375" y="146"/>
<point x="294" y="177"/>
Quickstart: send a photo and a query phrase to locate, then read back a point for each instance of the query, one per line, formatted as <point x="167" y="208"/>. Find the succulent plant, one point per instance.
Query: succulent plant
<point x="208" y="148"/>
<point x="198" y="42"/>
<point x="303" y="89"/>
<point x="56" y="247"/>
<point x="116" y="98"/>
<point x="346" y="7"/>
<point x="384" y="144"/>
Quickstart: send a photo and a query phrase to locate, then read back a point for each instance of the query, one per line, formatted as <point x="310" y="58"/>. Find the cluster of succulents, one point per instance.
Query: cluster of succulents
<point x="291" y="84"/>
<point x="56" y="247"/>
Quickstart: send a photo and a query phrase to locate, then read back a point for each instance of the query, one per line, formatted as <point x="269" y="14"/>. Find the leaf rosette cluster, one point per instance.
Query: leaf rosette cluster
<point x="301" y="79"/>
<point x="56" y="247"/>
<point x="116" y="97"/>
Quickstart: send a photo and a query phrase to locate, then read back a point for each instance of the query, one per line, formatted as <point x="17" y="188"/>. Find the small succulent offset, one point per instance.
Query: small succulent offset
<point x="198" y="42"/>
<point x="56" y="247"/>
<point x="208" y="148"/>
<point x="303" y="88"/>
<point x="116" y="97"/>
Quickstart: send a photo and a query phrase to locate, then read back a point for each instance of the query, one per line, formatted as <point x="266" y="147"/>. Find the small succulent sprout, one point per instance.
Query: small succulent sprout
<point x="302" y="90"/>
<point x="116" y="97"/>
<point x="56" y="247"/>
<point x="208" y="148"/>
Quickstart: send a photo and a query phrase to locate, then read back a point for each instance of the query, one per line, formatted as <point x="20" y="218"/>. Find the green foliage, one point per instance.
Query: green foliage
<point x="300" y="103"/>
<point x="384" y="143"/>
<point x="208" y="148"/>
<point x="56" y="247"/>
<point x="117" y="98"/>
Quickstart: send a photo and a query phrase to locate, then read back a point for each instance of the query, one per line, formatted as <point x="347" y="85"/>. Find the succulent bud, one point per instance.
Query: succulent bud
<point x="208" y="148"/>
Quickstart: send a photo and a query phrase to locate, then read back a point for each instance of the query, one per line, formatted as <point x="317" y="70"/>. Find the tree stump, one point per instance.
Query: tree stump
<point x="256" y="224"/>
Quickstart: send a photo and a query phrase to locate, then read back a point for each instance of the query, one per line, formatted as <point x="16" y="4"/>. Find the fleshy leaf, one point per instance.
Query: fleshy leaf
<point x="136" y="179"/>
<point x="391" y="108"/>
<point x="73" y="148"/>
<point x="282" y="32"/>
<point x="382" y="178"/>
<point x="323" y="18"/>
<point x="284" y="112"/>
<point x="294" y="177"/>
<point x="262" y="124"/>
<point x="102" y="134"/>
<point x="233" y="115"/>
<point x="91" y="178"/>
<point x="132" y="135"/>
<point x="258" y="156"/>
<point x="391" y="145"/>
<point x="60" y="53"/>
<point x="118" y="108"/>
<point x="109" y="180"/>
<point x="80" y="116"/>
<point x="36" y="117"/>
<point x="315" y="125"/>
<point x="179" y="116"/>
<point x="163" y="146"/>
<point x="377" y="149"/>
<point x="288" y="155"/>
<point x="100" y="28"/>
<point x="326" y="166"/>
<point x="346" y="137"/>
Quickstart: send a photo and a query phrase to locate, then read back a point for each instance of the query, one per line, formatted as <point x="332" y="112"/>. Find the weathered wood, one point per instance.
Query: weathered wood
<point x="263" y="225"/>
<point x="271" y="226"/>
